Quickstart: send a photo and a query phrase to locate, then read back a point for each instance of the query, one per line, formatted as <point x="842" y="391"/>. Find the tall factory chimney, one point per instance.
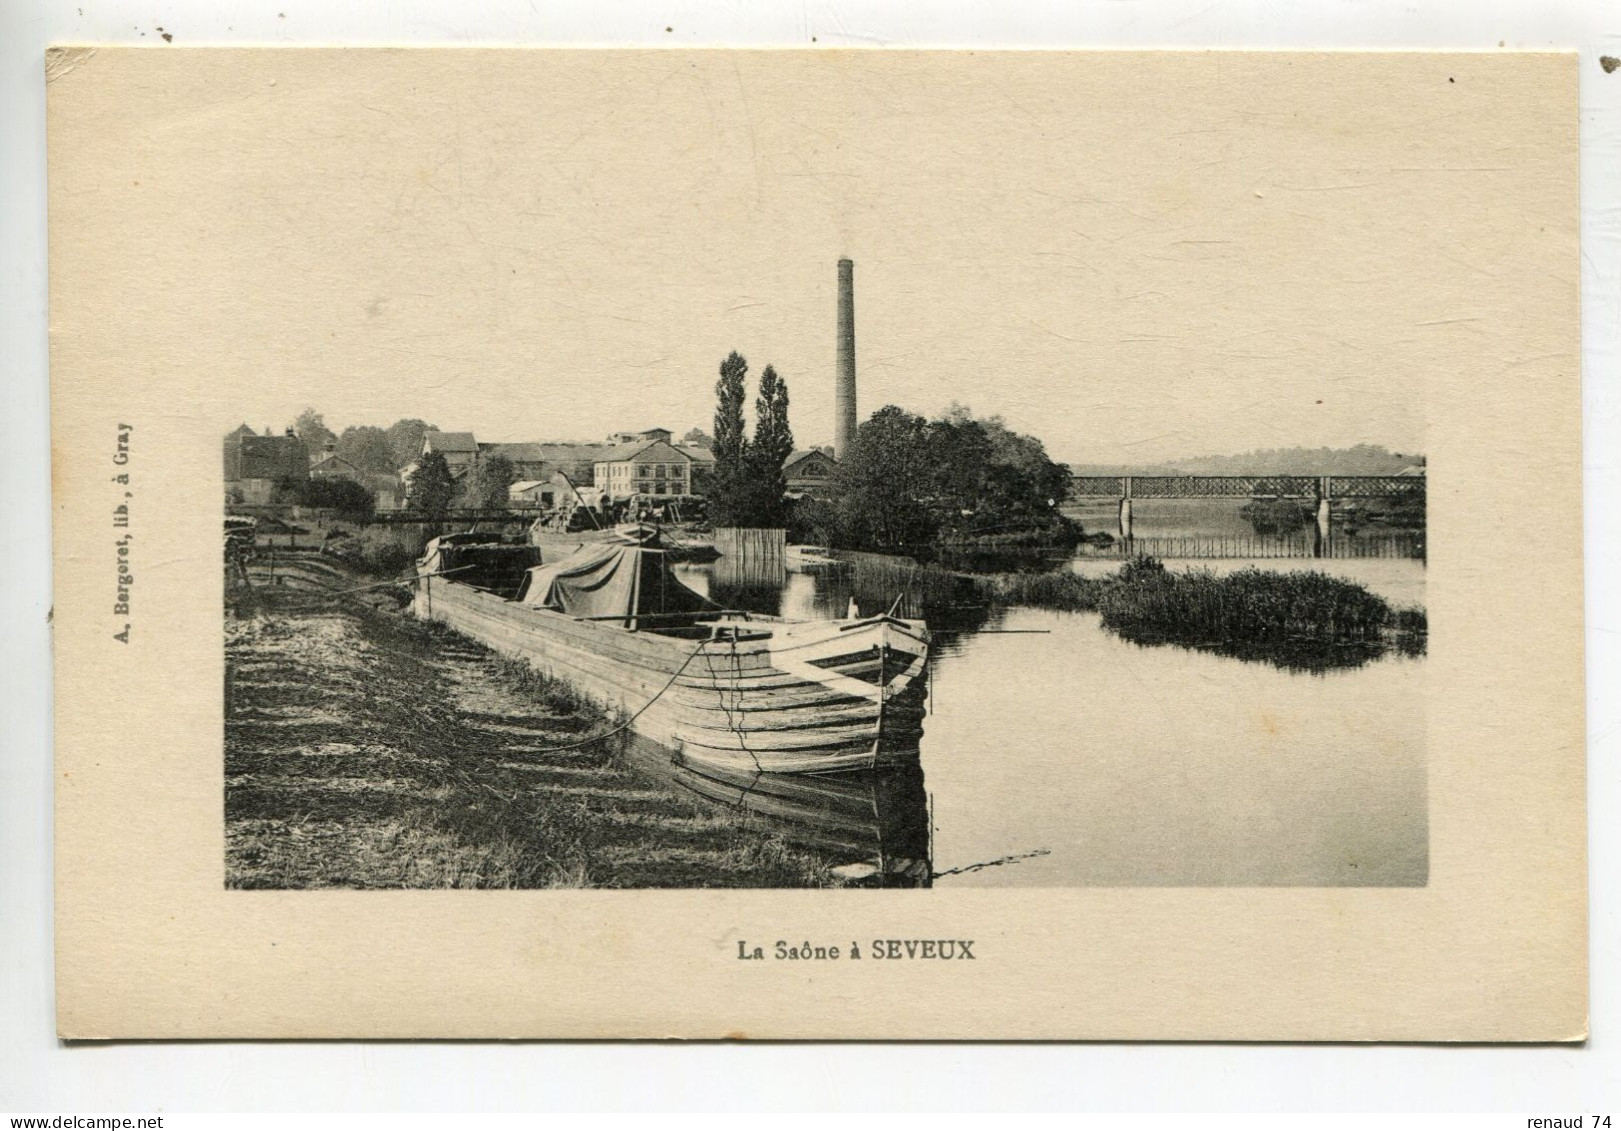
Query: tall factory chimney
<point x="844" y="382"/>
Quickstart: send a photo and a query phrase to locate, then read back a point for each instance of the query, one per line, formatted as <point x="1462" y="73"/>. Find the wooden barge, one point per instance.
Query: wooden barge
<point x="877" y="820"/>
<point x="720" y="688"/>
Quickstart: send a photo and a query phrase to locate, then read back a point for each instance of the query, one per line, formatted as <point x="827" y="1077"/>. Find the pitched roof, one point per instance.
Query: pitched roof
<point x="618" y="453"/>
<point x="323" y="458"/>
<point x="805" y="453"/>
<point x="572" y="453"/>
<point x="267" y="457"/>
<point x="518" y="453"/>
<point x="449" y="442"/>
<point x="695" y="452"/>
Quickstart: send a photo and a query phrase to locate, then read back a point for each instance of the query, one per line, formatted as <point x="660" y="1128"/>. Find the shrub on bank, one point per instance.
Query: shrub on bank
<point x="383" y="551"/>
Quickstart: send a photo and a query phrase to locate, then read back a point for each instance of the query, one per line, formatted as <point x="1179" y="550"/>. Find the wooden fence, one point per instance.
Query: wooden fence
<point x="755" y="545"/>
<point x="1409" y="545"/>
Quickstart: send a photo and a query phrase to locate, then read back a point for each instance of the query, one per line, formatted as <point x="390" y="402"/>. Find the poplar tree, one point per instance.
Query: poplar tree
<point x="730" y="445"/>
<point x="773" y="444"/>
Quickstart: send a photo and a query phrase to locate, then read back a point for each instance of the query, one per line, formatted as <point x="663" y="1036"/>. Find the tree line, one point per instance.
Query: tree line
<point x="1363" y="459"/>
<point x="366" y="446"/>
<point x="908" y="484"/>
<point x="916" y="486"/>
<point x="434" y="490"/>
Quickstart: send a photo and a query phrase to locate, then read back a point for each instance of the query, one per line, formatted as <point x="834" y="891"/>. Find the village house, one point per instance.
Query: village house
<point x="546" y="494"/>
<point x="645" y="462"/>
<point x="330" y="465"/>
<point x="531" y="462"/>
<point x="528" y="460"/>
<point x="532" y="493"/>
<point x="459" y="449"/>
<point x="644" y="467"/>
<point x="255" y="465"/>
<point x="632" y="463"/>
<point x="387" y="491"/>
<point x="809" y="472"/>
<point x="572" y="460"/>
<point x="703" y="466"/>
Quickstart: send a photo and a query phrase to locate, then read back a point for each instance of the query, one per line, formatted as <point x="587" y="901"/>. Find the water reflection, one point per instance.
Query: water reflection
<point x="1064" y="755"/>
<point x="871" y="827"/>
<point x="1304" y="657"/>
<point x="755" y="585"/>
<point x="949" y="603"/>
<point x="978" y="560"/>
<point x="1170" y="767"/>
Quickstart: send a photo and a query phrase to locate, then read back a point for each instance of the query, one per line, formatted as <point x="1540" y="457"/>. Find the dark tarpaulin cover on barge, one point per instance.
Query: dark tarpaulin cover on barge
<point x="627" y="577"/>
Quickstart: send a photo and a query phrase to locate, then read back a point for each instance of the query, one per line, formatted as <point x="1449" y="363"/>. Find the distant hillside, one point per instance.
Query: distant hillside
<point x="1364" y="459"/>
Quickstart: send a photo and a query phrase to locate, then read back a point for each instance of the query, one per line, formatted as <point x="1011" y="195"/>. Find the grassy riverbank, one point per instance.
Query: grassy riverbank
<point x="365" y="749"/>
<point x="1296" y="619"/>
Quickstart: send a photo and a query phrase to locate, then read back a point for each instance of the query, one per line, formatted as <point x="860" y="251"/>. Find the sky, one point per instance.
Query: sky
<point x="1131" y="272"/>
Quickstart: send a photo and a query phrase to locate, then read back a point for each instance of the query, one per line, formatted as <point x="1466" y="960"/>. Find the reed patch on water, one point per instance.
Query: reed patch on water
<point x="1066" y="592"/>
<point x="879" y="582"/>
<point x="1304" y="620"/>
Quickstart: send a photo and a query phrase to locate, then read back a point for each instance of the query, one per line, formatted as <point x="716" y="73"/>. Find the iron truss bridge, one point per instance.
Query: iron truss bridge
<point x="1245" y="486"/>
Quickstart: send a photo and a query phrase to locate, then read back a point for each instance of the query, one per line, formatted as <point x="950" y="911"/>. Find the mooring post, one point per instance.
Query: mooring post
<point x="1325" y="532"/>
<point x="1125" y="508"/>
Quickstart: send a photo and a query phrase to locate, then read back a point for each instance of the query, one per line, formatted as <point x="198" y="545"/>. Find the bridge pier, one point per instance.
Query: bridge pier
<point x="1125" y="508"/>
<point x="1323" y="544"/>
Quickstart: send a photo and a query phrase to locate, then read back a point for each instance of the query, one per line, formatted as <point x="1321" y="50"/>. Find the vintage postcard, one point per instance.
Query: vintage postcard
<point x="817" y="544"/>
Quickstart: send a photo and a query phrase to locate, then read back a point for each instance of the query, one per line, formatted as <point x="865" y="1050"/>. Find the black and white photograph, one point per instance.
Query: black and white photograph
<point x="923" y="491"/>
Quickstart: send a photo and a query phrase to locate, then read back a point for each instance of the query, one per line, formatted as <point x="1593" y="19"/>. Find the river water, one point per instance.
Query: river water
<point x="1057" y="754"/>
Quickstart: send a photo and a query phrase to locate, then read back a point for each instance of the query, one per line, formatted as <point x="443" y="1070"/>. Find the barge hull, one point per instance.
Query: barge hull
<point x="720" y="704"/>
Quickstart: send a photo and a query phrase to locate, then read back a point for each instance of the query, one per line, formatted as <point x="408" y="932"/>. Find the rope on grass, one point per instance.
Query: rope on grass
<point x="572" y="745"/>
<point x="397" y="581"/>
<point x="314" y="596"/>
<point x="622" y="727"/>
